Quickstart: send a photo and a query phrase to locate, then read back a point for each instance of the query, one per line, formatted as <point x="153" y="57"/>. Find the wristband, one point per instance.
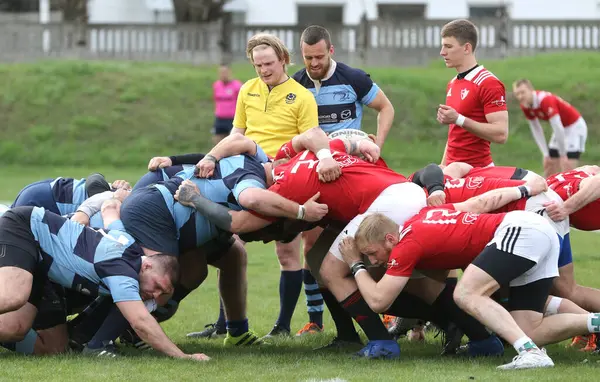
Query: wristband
<point x="460" y="120"/>
<point x="324" y="153"/>
<point x="301" y="212"/>
<point x="360" y="270"/>
<point x="356" y="267"/>
<point x="525" y="191"/>
<point x="211" y="158"/>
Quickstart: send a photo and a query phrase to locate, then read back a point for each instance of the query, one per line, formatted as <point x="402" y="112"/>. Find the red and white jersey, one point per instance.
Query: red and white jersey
<point x="499" y="172"/>
<point x="566" y="184"/>
<point x="460" y="190"/>
<point x="477" y="94"/>
<point x="286" y="151"/>
<point x="350" y="195"/>
<point x="441" y="238"/>
<point x="546" y="105"/>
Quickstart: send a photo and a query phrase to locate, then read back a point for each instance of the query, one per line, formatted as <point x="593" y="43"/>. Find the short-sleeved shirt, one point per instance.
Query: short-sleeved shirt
<point x="463" y="189"/>
<point x="348" y="196"/>
<point x="477" y="94"/>
<point x="273" y="117"/>
<point x="546" y="105"/>
<point x="441" y="238"/>
<point x="340" y="96"/>
<point x="92" y="262"/>
<point x="566" y="184"/>
<point x="500" y="172"/>
<point x="225" y="95"/>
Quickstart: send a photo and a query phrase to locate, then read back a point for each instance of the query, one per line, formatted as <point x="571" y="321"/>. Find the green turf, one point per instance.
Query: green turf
<point x="290" y="359"/>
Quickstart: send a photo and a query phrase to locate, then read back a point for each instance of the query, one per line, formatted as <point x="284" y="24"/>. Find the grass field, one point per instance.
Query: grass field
<point x="289" y="359"/>
<point x="72" y="118"/>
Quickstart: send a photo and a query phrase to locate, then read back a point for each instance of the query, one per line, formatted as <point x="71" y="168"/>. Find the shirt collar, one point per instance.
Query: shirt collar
<point x="462" y="75"/>
<point x="332" y="66"/>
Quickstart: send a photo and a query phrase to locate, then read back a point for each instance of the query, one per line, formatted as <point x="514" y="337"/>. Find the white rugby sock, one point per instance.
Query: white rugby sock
<point x="524" y="344"/>
<point x="593" y="322"/>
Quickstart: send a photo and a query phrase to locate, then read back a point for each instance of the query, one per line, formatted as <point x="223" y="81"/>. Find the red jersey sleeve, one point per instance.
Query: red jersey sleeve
<point x="549" y="105"/>
<point x="404" y="258"/>
<point x="286" y="151"/>
<point x="493" y="96"/>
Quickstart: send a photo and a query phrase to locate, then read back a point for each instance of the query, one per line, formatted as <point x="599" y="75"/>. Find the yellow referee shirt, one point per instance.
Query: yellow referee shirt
<point x="272" y="118"/>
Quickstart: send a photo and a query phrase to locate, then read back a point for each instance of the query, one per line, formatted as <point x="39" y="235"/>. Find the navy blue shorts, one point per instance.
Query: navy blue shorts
<point x="566" y="256"/>
<point x="222" y="126"/>
<point x="38" y="194"/>
<point x="147" y="218"/>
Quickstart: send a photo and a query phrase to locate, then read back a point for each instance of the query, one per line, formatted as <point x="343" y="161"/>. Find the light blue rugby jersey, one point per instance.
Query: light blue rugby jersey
<point x="92" y="262"/>
<point x="341" y="96"/>
<point x="68" y="193"/>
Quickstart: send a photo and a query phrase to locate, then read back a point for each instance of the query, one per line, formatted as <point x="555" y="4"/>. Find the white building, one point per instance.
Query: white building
<point x="349" y="12"/>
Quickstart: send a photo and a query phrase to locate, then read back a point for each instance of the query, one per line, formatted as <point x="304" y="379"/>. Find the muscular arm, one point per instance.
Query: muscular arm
<point x="589" y="190"/>
<point x="233" y="144"/>
<point x="538" y="136"/>
<point x="385" y="117"/>
<point x="489" y="201"/>
<point x="495" y="130"/>
<point x="268" y="203"/>
<point x="380" y="295"/>
<point x="457" y="170"/>
<point x="148" y="329"/>
<point x="313" y="140"/>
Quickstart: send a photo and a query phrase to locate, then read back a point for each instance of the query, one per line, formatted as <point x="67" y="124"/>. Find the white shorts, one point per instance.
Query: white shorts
<point x="575" y="137"/>
<point x="398" y="202"/>
<point x="536" y="204"/>
<point x="530" y="236"/>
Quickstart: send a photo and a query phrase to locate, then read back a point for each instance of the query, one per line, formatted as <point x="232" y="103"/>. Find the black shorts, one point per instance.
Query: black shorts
<point x="216" y="248"/>
<point x="502" y="266"/>
<point x="532" y="296"/>
<point x="222" y="126"/>
<point x="52" y="310"/>
<point x="18" y="248"/>
<point x="553" y="153"/>
<point x="147" y="218"/>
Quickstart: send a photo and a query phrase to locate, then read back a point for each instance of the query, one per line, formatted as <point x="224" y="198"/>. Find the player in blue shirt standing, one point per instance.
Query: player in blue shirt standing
<point x="38" y="245"/>
<point x="341" y="93"/>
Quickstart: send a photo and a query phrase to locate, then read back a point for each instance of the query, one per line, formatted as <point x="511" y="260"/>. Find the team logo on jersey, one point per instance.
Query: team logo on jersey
<point x="346" y="160"/>
<point x="290" y="98"/>
<point x="392" y="264"/>
<point x="464" y="93"/>
<point x="286" y="151"/>
<point x="469" y="218"/>
<point x="474" y="182"/>
<point x="499" y="102"/>
<point x="345" y="114"/>
<point x="253" y="95"/>
<point x="568" y="189"/>
<point x="341" y="96"/>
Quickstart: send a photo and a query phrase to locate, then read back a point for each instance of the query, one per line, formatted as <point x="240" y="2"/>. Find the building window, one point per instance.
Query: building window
<point x="401" y="12"/>
<point x="321" y="15"/>
<point x="486" y="11"/>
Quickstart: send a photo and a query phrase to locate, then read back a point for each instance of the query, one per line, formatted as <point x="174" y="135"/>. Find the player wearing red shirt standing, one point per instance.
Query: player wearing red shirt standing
<point x="475" y="108"/>
<point x="518" y="249"/>
<point x="569" y="130"/>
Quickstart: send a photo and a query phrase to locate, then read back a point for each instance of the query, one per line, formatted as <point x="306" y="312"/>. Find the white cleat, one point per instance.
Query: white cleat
<point x="532" y="359"/>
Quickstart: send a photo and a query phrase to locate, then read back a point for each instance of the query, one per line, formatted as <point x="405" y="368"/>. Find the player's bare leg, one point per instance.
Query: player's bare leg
<point x="565" y="286"/>
<point x="547" y="330"/>
<point x="472" y="294"/>
<point x="15" y="325"/>
<point x="337" y="278"/>
<point x="15" y="287"/>
<point x="50" y="341"/>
